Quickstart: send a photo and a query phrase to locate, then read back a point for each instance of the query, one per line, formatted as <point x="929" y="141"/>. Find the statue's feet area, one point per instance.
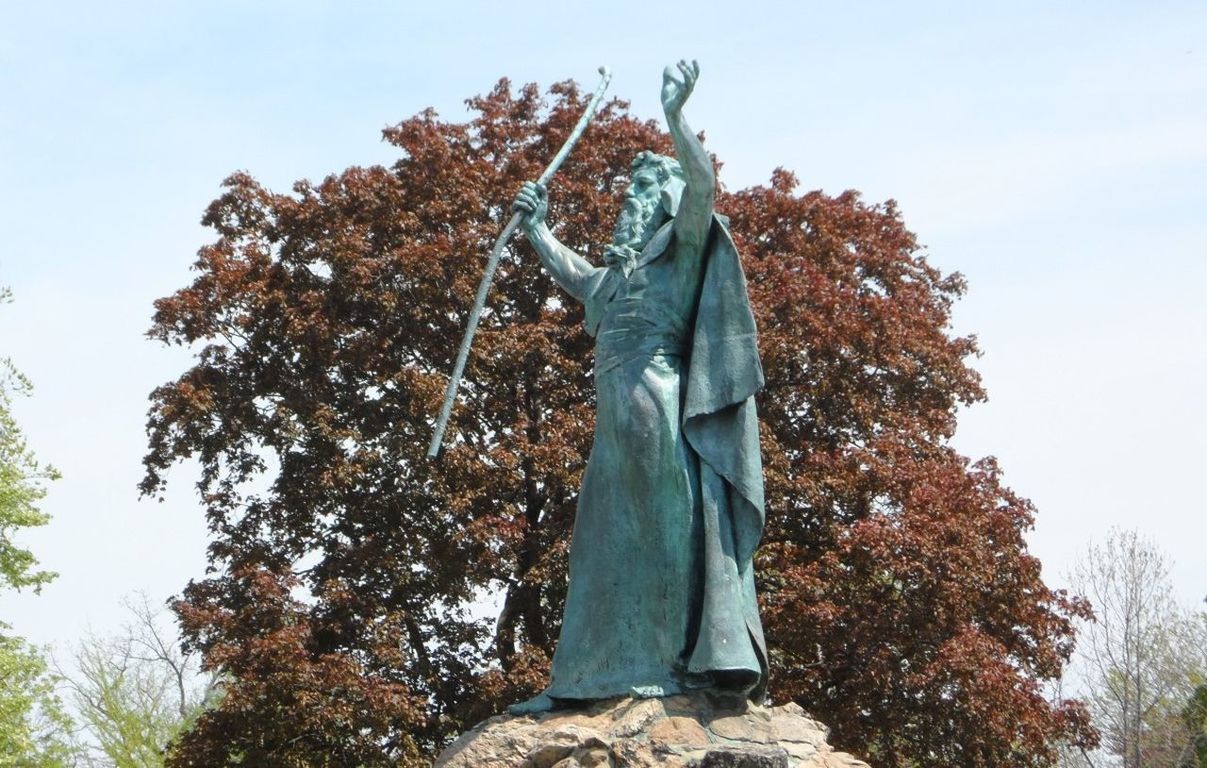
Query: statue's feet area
<point x="701" y="729"/>
<point x="535" y="705"/>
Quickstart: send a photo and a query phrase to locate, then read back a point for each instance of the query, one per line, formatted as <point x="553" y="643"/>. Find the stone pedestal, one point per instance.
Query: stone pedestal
<point x="679" y="731"/>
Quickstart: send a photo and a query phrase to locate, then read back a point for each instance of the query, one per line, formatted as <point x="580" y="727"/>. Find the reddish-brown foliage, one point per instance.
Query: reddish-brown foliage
<point x="349" y="573"/>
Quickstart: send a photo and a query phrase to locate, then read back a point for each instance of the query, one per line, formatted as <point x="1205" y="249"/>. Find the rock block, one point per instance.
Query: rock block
<point x="694" y="731"/>
<point x="745" y="757"/>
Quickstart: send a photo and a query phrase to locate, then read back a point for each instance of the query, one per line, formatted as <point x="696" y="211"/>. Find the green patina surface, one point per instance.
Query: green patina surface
<point x="661" y="595"/>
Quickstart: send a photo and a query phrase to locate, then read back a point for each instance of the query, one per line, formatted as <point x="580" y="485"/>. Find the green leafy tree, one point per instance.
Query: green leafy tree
<point x="33" y="727"/>
<point x="1142" y="656"/>
<point x="135" y="692"/>
<point x="1194" y="716"/>
<point x="35" y="732"/>
<point x="22" y="485"/>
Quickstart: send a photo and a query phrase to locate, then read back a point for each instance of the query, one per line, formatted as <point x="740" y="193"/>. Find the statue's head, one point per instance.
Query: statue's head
<point x="656" y="184"/>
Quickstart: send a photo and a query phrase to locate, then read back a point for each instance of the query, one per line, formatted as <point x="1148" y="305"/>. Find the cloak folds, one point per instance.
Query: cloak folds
<point x="721" y="426"/>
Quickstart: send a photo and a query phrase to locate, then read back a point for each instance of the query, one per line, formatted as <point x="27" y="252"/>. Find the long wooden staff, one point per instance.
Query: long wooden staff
<point x="454" y="382"/>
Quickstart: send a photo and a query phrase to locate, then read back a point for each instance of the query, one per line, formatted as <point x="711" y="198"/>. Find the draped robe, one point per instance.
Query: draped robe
<point x="661" y="595"/>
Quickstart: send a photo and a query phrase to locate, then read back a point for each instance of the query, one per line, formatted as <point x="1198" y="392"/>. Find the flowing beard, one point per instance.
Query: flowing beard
<point x="637" y="223"/>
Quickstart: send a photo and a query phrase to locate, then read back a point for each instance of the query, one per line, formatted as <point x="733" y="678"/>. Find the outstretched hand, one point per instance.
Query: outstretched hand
<point x="677" y="83"/>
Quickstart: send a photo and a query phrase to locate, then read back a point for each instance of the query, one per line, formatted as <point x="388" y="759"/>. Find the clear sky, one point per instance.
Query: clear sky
<point x="1055" y="153"/>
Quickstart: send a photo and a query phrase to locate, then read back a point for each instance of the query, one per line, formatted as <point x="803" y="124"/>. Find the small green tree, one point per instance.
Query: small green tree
<point x="1194" y="715"/>
<point x="1143" y="656"/>
<point x="22" y="485"/>
<point x="135" y="692"/>
<point x="34" y="730"/>
<point x="33" y="727"/>
<point x="122" y="704"/>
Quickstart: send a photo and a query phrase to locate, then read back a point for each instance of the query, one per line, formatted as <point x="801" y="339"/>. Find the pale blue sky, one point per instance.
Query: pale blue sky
<point x="1054" y="153"/>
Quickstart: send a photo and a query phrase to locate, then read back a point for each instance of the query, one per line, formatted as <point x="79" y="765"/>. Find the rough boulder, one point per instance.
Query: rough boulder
<point x="678" y="732"/>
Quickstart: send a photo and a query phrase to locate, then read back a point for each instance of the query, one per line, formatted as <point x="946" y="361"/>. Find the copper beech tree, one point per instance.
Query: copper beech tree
<point x="365" y="604"/>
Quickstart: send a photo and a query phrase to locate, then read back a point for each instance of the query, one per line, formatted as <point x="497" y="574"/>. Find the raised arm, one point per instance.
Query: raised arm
<point x="694" y="217"/>
<point x="567" y="268"/>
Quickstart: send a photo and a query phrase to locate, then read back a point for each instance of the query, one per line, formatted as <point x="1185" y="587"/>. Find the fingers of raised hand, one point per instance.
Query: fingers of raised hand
<point x="686" y="71"/>
<point x="690" y="73"/>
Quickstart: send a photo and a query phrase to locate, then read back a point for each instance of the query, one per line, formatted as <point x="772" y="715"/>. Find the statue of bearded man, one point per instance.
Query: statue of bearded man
<point x="661" y="596"/>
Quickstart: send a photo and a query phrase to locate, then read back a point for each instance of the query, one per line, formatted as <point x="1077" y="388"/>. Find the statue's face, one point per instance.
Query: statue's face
<point x="642" y="213"/>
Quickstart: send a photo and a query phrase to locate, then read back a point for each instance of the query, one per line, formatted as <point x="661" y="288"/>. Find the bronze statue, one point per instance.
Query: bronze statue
<point x="661" y="596"/>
